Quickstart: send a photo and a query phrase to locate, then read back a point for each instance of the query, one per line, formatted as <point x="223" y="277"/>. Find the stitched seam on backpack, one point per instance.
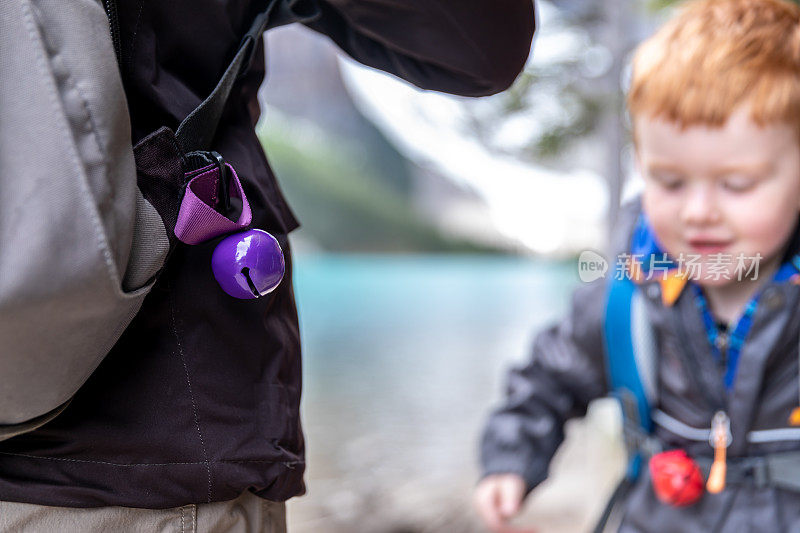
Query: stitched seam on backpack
<point x="92" y="125"/>
<point x="191" y="394"/>
<point x="106" y="164"/>
<point x="30" y="26"/>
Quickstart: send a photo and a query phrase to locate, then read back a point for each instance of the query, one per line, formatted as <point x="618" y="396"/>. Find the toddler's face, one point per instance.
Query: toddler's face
<point x="730" y="190"/>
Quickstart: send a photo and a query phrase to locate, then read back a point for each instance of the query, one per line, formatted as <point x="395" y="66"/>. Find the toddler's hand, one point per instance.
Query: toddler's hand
<point x="498" y="498"/>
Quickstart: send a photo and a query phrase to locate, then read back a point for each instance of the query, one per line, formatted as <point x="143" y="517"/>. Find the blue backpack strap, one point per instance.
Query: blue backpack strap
<point x="630" y="361"/>
<point x="628" y="338"/>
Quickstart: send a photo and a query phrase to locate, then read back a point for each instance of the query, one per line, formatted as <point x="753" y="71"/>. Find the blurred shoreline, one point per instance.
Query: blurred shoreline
<point x="404" y="356"/>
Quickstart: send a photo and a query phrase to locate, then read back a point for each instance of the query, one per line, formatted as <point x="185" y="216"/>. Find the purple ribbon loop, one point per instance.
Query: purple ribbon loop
<point x="197" y="219"/>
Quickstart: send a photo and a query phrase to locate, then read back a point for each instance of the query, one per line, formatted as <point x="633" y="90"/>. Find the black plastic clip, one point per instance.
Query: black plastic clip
<point x="224" y="189"/>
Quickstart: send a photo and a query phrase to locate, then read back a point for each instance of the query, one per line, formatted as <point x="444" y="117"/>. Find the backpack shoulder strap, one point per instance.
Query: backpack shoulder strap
<point x="197" y="130"/>
<point x="630" y="362"/>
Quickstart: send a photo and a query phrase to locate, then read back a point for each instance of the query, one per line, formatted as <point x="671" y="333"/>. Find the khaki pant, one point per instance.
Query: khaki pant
<point x="246" y="514"/>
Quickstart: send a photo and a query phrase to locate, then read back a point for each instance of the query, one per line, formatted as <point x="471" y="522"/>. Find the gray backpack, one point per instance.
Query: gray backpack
<point x="85" y="229"/>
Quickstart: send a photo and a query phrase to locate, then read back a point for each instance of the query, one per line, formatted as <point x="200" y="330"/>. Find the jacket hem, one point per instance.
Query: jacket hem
<point x="146" y="485"/>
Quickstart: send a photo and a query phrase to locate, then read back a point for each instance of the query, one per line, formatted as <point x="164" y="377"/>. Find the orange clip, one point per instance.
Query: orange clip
<point x="720" y="440"/>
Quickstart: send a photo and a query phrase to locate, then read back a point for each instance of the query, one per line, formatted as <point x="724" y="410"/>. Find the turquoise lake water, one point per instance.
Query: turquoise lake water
<point x="405" y="355"/>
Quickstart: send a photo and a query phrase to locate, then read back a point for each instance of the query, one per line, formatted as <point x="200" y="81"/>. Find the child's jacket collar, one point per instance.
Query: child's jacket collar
<point x="644" y="246"/>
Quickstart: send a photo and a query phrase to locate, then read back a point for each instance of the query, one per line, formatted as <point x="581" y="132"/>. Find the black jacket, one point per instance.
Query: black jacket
<point x="199" y="399"/>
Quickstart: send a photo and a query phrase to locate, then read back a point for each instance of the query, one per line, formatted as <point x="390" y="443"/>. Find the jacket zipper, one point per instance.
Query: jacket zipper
<point x="690" y="363"/>
<point x="113" y="24"/>
<point x="722" y="345"/>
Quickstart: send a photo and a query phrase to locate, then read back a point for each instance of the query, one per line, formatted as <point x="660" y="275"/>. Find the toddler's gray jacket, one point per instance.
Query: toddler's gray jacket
<point x="567" y="370"/>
